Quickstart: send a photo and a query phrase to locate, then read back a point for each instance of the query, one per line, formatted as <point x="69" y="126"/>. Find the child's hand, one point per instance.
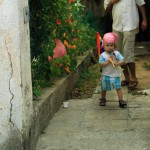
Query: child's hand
<point x="111" y="61"/>
<point x="108" y="61"/>
<point x="116" y="64"/>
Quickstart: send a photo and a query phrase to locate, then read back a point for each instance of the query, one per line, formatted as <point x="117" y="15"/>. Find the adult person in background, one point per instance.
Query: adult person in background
<point x="125" y="17"/>
<point x="108" y="22"/>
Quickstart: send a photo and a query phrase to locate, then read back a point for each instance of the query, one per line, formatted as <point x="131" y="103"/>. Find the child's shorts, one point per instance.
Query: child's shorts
<point x="109" y="83"/>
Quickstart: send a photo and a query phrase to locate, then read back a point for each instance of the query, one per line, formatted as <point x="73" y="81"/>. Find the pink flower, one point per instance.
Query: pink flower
<point x="49" y="58"/>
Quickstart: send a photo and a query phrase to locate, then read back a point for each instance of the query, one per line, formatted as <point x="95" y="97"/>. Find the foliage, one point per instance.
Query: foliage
<point x="90" y="74"/>
<point x="64" y="20"/>
<point x="147" y="66"/>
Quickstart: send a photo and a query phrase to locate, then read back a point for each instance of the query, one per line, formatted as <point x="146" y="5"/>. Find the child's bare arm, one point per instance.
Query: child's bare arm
<point x="104" y="64"/>
<point x="144" y="19"/>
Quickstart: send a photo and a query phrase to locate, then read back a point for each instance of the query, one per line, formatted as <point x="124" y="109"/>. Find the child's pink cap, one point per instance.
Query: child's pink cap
<point x="110" y="38"/>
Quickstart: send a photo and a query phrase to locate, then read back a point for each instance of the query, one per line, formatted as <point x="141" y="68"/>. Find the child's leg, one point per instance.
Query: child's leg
<point x="120" y="95"/>
<point x="122" y="103"/>
<point x="103" y="98"/>
<point x="103" y="94"/>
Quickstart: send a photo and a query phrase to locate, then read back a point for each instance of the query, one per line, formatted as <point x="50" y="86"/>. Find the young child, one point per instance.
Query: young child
<point x="110" y="61"/>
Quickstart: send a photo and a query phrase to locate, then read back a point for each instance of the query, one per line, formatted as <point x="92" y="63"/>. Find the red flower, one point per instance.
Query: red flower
<point x="68" y="20"/>
<point x="72" y="31"/>
<point x="58" y="22"/>
<point x="74" y="39"/>
<point x="60" y="65"/>
<point x="67" y="69"/>
<point x="70" y="1"/>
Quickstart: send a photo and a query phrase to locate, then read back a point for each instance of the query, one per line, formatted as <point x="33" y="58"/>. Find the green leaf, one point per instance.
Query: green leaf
<point x="37" y="91"/>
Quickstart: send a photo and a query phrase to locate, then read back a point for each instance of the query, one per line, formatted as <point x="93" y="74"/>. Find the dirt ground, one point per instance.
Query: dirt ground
<point x="143" y="74"/>
<point x="85" y="90"/>
<point x="85" y="87"/>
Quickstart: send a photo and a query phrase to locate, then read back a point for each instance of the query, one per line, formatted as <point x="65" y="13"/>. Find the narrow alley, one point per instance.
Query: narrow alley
<point x="84" y="125"/>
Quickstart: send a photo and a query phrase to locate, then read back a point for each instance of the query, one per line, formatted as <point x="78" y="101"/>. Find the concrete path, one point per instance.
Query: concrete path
<point x="84" y="125"/>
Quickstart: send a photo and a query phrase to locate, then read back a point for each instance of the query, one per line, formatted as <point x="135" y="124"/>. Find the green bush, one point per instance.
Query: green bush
<point x="65" y="20"/>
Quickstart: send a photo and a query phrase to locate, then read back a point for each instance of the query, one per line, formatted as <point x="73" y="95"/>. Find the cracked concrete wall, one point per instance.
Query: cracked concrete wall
<point x="15" y="76"/>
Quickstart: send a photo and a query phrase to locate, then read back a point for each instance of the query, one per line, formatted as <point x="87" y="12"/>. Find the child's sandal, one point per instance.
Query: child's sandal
<point x="102" y="102"/>
<point x="122" y="104"/>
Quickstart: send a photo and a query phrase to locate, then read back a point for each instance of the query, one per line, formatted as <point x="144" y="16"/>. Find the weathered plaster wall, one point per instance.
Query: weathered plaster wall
<point x="15" y="75"/>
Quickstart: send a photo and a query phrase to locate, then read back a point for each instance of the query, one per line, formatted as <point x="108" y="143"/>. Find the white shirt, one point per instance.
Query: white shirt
<point x="125" y="14"/>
